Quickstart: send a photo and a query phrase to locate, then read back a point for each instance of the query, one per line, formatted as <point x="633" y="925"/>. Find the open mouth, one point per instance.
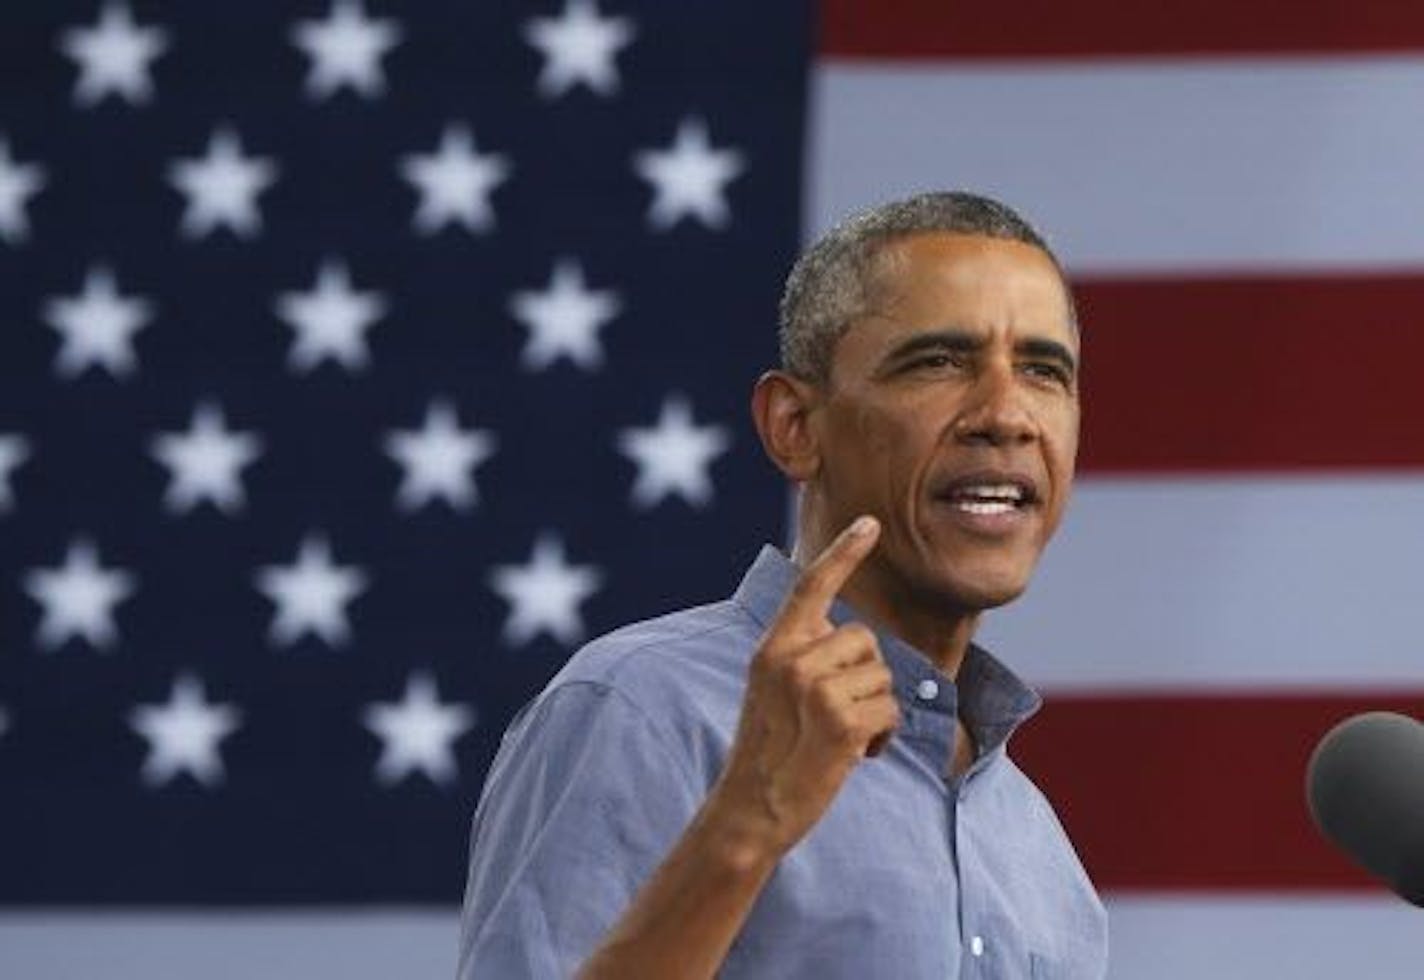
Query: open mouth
<point x="989" y="494"/>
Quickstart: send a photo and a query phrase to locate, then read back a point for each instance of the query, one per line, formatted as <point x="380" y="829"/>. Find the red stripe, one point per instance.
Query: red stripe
<point x="902" y="29"/>
<point x="1188" y="793"/>
<point x="1269" y="374"/>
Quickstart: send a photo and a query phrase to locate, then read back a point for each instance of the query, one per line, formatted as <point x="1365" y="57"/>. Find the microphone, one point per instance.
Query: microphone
<point x="1365" y="784"/>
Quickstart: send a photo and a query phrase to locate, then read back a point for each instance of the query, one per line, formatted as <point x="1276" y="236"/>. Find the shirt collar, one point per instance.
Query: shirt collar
<point x="994" y="699"/>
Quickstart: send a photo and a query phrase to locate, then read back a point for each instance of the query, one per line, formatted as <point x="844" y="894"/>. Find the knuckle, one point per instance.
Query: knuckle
<point x="798" y="673"/>
<point x="823" y="697"/>
<point x="881" y="679"/>
<point x="842" y="730"/>
<point x="859" y="634"/>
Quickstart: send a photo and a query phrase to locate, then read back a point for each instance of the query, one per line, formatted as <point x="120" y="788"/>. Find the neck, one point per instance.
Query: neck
<point x="934" y="625"/>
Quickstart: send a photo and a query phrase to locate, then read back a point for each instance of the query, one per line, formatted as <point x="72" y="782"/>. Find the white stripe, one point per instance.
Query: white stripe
<point x="1151" y="938"/>
<point x="1181" y="938"/>
<point x="1145" y="167"/>
<point x="282" y="944"/>
<point x="1277" y="583"/>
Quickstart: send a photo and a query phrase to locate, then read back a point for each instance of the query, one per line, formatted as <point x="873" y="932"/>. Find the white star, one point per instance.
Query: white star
<point x="545" y="594"/>
<point x="97" y="326"/>
<point x="222" y="187"/>
<point x="331" y="320"/>
<point x="564" y="319"/>
<point x="204" y="462"/>
<point x="438" y="459"/>
<point x="417" y="733"/>
<point x="346" y="49"/>
<point x="18" y="182"/>
<point x="689" y="179"/>
<point x="455" y="182"/>
<point x="113" y="56"/>
<point x="183" y="734"/>
<point x="578" y="47"/>
<point x="14" y="450"/>
<point x="673" y="456"/>
<point x="311" y="594"/>
<point x="79" y="598"/>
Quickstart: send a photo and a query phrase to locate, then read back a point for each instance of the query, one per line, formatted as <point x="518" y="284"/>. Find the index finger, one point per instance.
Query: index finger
<point x="810" y="599"/>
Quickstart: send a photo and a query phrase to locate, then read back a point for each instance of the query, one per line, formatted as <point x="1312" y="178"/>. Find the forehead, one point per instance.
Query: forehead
<point x="937" y="280"/>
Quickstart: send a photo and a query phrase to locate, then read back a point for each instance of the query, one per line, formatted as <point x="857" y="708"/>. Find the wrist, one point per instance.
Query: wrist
<point x="739" y="838"/>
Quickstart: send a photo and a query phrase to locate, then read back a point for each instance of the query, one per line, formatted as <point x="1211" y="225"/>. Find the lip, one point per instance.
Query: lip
<point x="1000" y="525"/>
<point x="949" y="483"/>
<point x="992" y="525"/>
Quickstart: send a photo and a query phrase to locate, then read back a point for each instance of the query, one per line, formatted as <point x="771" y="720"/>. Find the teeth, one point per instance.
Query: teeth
<point x="994" y="491"/>
<point x="977" y="507"/>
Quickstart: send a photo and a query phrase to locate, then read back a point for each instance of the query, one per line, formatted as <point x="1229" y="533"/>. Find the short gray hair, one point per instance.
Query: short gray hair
<point x="831" y="284"/>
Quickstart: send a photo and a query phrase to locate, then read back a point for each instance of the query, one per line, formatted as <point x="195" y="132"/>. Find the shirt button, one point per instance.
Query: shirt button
<point x="927" y="689"/>
<point x="976" y="945"/>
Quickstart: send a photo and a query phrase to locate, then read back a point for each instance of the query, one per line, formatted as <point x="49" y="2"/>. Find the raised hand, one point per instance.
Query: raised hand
<point x="818" y="701"/>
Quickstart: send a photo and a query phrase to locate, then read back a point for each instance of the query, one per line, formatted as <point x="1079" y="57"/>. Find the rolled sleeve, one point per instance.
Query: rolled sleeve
<point x="582" y="803"/>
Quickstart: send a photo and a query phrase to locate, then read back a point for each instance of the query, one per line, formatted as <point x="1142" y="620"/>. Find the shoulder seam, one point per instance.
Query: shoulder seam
<point x="696" y="634"/>
<point x="662" y="736"/>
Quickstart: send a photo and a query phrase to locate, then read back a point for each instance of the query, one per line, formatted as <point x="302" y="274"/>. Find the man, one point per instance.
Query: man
<point x="809" y="779"/>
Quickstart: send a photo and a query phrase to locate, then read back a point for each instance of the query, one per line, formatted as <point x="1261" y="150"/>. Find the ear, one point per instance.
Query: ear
<point x="781" y="408"/>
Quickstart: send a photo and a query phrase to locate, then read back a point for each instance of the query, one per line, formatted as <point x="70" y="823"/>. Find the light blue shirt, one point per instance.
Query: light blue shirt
<point x="910" y="874"/>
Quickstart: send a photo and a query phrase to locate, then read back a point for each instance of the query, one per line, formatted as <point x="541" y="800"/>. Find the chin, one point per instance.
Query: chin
<point x="977" y="589"/>
<point x="985" y="595"/>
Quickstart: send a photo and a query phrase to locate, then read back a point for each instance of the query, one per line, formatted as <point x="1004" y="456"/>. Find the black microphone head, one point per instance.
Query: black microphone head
<point x="1365" y="784"/>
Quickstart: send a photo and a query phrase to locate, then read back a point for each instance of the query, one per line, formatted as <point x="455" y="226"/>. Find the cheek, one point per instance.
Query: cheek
<point x="873" y="449"/>
<point x="877" y="433"/>
<point x="1066" y="443"/>
<point x="896" y="445"/>
<point x="1061" y="454"/>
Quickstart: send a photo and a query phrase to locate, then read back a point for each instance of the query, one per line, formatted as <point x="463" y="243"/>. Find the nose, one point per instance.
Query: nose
<point x="994" y="412"/>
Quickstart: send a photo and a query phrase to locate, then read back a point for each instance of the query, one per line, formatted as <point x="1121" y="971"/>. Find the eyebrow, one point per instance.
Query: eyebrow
<point x="965" y="342"/>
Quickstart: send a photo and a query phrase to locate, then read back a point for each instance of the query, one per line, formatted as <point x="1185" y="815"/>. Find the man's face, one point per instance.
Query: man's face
<point x="951" y="414"/>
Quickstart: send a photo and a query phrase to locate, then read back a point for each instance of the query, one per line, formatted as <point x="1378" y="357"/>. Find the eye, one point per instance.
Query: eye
<point x="936" y="361"/>
<point x="1049" y="371"/>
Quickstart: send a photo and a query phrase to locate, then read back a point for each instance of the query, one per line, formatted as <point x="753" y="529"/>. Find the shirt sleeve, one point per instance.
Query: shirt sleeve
<point x="584" y="800"/>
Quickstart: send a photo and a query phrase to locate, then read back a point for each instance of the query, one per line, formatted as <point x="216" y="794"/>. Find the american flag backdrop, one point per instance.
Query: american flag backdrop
<point x="360" y="358"/>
